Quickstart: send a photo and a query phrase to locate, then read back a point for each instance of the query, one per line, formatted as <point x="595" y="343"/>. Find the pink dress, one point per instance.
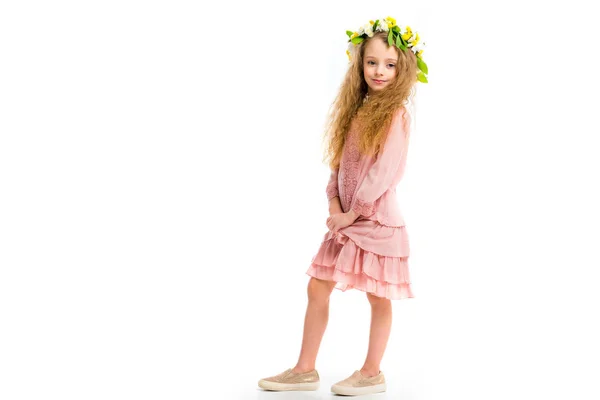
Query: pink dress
<point x="372" y="253"/>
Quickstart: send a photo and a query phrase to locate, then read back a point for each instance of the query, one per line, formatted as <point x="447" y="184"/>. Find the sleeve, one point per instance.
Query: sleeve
<point x="382" y="173"/>
<point x="332" y="185"/>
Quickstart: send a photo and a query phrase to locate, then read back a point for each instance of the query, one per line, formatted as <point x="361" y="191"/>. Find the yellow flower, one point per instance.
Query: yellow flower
<point x="414" y="42"/>
<point x="348" y="54"/>
<point x="408" y="33"/>
<point x="390" y="21"/>
<point x="419" y="53"/>
<point x="355" y="34"/>
<point x="371" y="22"/>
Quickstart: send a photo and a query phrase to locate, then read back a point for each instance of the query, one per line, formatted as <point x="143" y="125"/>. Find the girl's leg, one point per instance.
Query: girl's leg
<point x="315" y="322"/>
<point x="381" y="326"/>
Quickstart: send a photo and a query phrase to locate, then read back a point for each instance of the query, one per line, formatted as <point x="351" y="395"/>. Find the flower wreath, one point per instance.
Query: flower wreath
<point x="402" y="37"/>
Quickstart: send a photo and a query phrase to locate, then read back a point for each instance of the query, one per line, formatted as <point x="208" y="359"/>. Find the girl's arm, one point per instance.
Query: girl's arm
<point x="382" y="173"/>
<point x="333" y="194"/>
<point x="332" y="185"/>
<point x="335" y="206"/>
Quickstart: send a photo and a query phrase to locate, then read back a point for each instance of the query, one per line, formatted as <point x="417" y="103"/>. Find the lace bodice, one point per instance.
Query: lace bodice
<point x="349" y="169"/>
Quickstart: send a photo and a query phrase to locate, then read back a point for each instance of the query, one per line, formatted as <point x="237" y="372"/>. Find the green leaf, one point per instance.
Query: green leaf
<point x="404" y="42"/>
<point x="396" y="29"/>
<point x="399" y="43"/>
<point x="421" y="77"/>
<point x="357" y="39"/>
<point x="390" y="38"/>
<point x="375" y="25"/>
<point x="422" y="66"/>
<point x="349" y="33"/>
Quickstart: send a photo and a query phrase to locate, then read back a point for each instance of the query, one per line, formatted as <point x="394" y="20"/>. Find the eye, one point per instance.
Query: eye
<point x="369" y="62"/>
<point x="393" y="65"/>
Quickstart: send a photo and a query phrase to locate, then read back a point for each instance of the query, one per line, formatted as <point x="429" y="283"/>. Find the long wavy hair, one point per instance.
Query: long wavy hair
<point x="373" y="116"/>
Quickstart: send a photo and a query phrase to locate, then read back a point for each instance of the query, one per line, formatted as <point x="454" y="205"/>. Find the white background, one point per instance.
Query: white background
<point x="162" y="195"/>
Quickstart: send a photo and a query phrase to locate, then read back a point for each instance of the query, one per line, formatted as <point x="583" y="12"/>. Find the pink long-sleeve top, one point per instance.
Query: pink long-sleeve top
<point x="367" y="184"/>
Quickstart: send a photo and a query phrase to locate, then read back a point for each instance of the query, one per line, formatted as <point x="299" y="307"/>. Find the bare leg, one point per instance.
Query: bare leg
<point x="381" y="326"/>
<point x="315" y="322"/>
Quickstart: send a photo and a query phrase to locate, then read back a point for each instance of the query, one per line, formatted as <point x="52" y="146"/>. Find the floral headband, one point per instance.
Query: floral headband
<point x="402" y="37"/>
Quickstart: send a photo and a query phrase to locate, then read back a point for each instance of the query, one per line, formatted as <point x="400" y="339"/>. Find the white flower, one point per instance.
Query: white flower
<point x="361" y="30"/>
<point x="351" y="47"/>
<point x="368" y="30"/>
<point x="382" y="26"/>
<point x="416" y="48"/>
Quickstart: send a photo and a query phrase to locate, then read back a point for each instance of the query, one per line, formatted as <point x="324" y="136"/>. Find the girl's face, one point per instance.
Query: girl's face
<point x="379" y="64"/>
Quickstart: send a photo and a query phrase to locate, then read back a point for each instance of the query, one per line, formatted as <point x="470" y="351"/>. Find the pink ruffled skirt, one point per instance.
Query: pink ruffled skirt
<point x="366" y="256"/>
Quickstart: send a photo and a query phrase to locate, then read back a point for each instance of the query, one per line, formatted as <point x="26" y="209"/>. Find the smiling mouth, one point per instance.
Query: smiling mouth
<point x="378" y="80"/>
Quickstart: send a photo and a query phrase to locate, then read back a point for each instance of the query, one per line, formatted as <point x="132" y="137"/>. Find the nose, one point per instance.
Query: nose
<point x="379" y="70"/>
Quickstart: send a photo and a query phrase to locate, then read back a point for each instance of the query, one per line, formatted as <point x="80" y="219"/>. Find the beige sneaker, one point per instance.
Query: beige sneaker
<point x="358" y="384"/>
<point x="288" y="380"/>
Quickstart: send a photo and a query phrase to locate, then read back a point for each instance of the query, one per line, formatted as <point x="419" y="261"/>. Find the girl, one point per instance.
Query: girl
<point x="366" y="246"/>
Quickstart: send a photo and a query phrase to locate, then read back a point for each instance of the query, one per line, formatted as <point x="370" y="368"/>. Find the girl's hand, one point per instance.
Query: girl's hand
<point x="338" y="221"/>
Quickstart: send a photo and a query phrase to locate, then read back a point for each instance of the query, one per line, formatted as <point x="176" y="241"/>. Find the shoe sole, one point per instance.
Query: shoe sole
<point x="268" y="385"/>
<point x="357" y="391"/>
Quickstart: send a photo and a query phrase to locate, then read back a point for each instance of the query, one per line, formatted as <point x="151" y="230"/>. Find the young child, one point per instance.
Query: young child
<point x="367" y="244"/>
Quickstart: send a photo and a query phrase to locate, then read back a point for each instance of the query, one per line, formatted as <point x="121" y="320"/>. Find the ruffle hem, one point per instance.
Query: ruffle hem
<point x="342" y="260"/>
